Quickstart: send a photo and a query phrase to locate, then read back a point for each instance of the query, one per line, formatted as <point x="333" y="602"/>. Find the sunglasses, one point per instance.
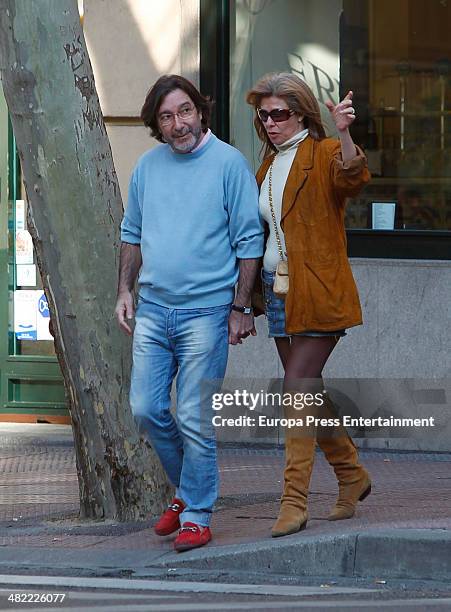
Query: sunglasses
<point x="277" y="115"/>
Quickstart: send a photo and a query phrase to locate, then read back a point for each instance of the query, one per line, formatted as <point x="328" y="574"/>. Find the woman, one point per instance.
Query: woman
<point x="304" y="181"/>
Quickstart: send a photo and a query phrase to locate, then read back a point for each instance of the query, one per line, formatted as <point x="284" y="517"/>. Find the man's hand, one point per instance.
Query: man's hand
<point x="240" y="326"/>
<point x="344" y="113"/>
<point x="125" y="311"/>
<point x="129" y="263"/>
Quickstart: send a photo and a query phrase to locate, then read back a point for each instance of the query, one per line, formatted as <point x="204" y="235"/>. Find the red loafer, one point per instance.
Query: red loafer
<point x="169" y="521"/>
<point x="191" y="536"/>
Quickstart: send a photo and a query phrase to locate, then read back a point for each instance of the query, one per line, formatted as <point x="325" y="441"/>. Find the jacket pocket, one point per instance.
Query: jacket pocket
<point x="327" y="291"/>
<point x="321" y="258"/>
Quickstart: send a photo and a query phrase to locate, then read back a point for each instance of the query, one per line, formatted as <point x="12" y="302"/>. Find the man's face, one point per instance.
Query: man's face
<point x="182" y="131"/>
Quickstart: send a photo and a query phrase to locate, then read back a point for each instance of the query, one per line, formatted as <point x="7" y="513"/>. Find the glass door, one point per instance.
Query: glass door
<point x="31" y="386"/>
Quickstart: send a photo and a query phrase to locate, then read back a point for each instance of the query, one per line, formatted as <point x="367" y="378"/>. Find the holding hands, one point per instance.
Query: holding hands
<point x="343" y="113"/>
<point x="240" y="326"/>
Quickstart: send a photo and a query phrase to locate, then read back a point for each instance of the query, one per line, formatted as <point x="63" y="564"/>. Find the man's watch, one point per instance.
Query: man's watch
<point x="244" y="309"/>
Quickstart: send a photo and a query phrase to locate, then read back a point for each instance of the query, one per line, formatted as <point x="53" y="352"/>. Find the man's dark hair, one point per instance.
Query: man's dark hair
<point x="164" y="86"/>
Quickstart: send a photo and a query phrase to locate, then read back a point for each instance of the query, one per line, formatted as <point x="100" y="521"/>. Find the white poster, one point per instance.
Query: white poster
<point x="42" y="316"/>
<point x="20" y="215"/>
<point x="383" y="214"/>
<point x="26" y="275"/>
<point x="24" y="247"/>
<point x="25" y="314"/>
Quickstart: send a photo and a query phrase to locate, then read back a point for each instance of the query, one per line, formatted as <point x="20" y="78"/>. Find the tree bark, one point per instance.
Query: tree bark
<point x="75" y="210"/>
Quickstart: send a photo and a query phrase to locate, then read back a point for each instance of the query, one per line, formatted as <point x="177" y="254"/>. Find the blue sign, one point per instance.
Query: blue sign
<point x="26" y="335"/>
<point x="43" y="307"/>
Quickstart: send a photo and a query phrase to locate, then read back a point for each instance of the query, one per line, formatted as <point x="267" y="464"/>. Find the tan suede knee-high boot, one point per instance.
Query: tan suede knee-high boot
<point x="299" y="453"/>
<point x="354" y="483"/>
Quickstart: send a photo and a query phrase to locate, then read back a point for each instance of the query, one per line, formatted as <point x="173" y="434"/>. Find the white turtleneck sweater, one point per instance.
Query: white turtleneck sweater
<point x="281" y="167"/>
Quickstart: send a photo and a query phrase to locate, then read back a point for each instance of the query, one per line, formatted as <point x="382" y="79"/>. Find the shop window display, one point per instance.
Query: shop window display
<point x="396" y="57"/>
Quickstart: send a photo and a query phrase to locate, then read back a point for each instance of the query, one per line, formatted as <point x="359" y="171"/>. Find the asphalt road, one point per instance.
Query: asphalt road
<point x="229" y="592"/>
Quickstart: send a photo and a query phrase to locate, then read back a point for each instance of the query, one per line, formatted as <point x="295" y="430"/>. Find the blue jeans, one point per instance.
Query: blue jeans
<point x="192" y="343"/>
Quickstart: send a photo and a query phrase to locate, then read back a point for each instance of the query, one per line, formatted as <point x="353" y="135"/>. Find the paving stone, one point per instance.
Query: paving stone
<point x="410" y="491"/>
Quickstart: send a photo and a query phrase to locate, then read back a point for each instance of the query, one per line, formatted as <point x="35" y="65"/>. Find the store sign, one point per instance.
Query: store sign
<point x="24" y="247"/>
<point x="25" y="315"/>
<point x="26" y="275"/>
<point x="20" y="215"/>
<point x="320" y="74"/>
<point x="383" y="215"/>
<point x="43" y="317"/>
<point x="31" y="315"/>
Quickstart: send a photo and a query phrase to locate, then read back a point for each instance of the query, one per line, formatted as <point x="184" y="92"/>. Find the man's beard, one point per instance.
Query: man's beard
<point x="189" y="143"/>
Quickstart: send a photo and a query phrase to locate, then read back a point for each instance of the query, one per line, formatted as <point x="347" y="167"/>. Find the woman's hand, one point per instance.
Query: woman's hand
<point x="344" y="113"/>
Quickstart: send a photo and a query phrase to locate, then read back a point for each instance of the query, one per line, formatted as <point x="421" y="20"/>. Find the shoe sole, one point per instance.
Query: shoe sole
<point x="188" y="547"/>
<point x="280" y="535"/>
<point x="166" y="532"/>
<point x="365" y="493"/>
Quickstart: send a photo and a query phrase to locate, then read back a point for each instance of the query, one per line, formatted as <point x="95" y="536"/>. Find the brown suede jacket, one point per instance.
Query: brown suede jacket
<point x="322" y="294"/>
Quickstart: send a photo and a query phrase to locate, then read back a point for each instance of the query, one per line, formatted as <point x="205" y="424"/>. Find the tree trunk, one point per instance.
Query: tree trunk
<point x="75" y="210"/>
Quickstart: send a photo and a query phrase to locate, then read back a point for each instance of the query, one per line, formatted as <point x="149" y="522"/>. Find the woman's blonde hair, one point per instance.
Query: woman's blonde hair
<point x="297" y="95"/>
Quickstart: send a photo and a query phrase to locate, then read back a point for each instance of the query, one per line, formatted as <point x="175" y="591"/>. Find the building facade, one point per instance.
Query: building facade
<point x="396" y="58"/>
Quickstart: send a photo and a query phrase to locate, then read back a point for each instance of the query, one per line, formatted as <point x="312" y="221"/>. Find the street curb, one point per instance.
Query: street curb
<point x="39" y="559"/>
<point x="420" y="554"/>
<point x="38" y="436"/>
<point x="415" y="554"/>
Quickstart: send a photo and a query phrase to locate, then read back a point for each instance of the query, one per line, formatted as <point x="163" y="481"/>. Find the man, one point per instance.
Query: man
<point x="192" y="223"/>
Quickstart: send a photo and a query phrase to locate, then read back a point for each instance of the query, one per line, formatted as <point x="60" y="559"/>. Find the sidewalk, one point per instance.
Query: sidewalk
<point x="407" y="516"/>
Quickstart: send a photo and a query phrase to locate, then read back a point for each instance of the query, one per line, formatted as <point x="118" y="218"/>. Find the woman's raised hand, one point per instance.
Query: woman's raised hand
<point x="344" y="113"/>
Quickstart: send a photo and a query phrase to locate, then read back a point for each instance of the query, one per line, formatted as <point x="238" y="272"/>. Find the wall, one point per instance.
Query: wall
<point x="131" y="43"/>
<point x="405" y="303"/>
<point x="299" y="36"/>
<point x="403" y="348"/>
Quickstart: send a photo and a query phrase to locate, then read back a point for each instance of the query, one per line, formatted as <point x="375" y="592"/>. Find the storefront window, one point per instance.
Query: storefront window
<point x="396" y="57"/>
<point x="31" y="386"/>
<point x="401" y="70"/>
<point x="300" y="36"/>
<point x="29" y="315"/>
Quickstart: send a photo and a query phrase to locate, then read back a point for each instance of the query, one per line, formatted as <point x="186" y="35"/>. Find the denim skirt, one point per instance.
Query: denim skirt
<point x="275" y="313"/>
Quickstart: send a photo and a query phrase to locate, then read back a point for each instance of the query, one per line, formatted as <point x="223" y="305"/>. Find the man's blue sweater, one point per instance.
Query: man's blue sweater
<point x="193" y="214"/>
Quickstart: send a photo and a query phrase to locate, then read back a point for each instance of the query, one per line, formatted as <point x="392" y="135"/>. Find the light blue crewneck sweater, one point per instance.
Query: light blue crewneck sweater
<point x="193" y="214"/>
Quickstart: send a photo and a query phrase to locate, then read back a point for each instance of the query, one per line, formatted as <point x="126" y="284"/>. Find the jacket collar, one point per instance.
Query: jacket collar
<point x="261" y="172"/>
<point x="297" y="176"/>
<point x="304" y="155"/>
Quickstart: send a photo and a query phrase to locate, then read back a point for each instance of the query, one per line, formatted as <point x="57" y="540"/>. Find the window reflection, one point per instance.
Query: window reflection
<point x="396" y="57"/>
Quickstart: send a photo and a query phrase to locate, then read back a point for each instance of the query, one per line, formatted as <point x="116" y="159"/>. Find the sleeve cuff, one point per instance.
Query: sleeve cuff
<point x="250" y="250"/>
<point x="130" y="238"/>
<point x="354" y="165"/>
